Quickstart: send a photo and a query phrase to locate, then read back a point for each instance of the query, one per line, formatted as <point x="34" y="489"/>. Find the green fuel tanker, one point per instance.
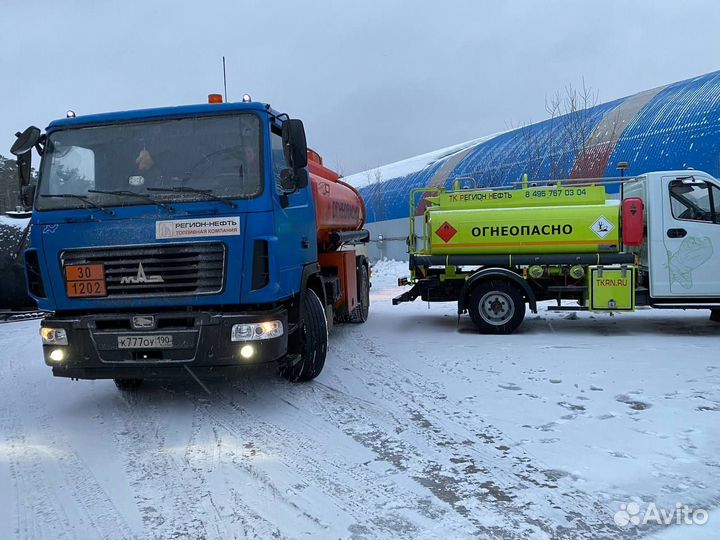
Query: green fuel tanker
<point x="496" y="251"/>
<point x="529" y="220"/>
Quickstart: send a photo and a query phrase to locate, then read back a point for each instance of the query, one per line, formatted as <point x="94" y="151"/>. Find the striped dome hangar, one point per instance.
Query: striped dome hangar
<point x="671" y="127"/>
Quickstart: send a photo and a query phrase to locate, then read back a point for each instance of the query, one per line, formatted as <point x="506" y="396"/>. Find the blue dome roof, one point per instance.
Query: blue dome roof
<point x="672" y="127"/>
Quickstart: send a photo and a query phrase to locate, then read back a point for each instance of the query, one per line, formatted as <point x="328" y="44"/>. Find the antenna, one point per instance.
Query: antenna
<point x="224" y="80"/>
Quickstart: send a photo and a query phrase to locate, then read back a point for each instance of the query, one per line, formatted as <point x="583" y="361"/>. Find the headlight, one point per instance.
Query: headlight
<point x="256" y="331"/>
<point x="53" y="336"/>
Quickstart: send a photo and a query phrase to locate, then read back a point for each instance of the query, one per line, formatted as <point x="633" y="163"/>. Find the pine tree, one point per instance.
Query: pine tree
<point x="8" y="184"/>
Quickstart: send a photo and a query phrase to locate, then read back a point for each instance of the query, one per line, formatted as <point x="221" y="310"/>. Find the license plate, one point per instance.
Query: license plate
<point x="157" y="341"/>
<point x="85" y="280"/>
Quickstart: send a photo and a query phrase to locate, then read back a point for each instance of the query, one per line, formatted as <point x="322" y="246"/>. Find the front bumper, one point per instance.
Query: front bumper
<point x="199" y="340"/>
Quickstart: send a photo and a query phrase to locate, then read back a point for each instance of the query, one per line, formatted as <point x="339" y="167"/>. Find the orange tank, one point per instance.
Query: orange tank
<point x="338" y="206"/>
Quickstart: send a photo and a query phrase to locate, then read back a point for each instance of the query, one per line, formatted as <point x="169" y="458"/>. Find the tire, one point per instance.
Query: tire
<point x="310" y="342"/>
<point x="128" y="384"/>
<point x="360" y="314"/>
<point x="496" y="307"/>
<point x="715" y="315"/>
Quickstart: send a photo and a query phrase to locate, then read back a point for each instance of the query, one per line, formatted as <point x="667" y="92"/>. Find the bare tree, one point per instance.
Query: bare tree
<point x="377" y="181"/>
<point x="572" y="110"/>
<point x="567" y="129"/>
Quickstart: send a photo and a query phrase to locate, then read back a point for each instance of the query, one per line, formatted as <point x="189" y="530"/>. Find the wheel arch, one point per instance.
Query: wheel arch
<point x="499" y="273"/>
<point x="310" y="280"/>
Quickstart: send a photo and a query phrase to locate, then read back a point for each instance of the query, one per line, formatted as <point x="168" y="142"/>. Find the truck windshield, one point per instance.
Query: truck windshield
<point x="109" y="164"/>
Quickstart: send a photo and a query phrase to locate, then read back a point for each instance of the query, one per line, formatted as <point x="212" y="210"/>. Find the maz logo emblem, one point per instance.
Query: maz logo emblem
<point x="140" y="278"/>
<point x="140" y="322"/>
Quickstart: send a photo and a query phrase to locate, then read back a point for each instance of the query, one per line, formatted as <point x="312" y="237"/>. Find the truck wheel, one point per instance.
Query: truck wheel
<point x="311" y="344"/>
<point x="715" y="315"/>
<point x="496" y="307"/>
<point x="128" y="384"/>
<point x="362" y="310"/>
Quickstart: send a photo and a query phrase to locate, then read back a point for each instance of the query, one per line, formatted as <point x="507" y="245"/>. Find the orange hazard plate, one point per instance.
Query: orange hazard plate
<point x="85" y="280"/>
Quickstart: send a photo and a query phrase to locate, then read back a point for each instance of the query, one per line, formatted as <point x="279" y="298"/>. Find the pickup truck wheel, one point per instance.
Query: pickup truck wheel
<point x="128" y="384"/>
<point x="362" y="310"/>
<point x="496" y="307"/>
<point x="311" y="344"/>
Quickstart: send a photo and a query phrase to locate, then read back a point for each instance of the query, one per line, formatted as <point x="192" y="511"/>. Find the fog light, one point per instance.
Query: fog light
<point x="247" y="351"/>
<point x="53" y="336"/>
<point x="57" y="355"/>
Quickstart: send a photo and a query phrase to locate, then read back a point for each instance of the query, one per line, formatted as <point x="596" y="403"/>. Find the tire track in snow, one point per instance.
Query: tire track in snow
<point x="363" y="494"/>
<point x="66" y="497"/>
<point x="185" y="506"/>
<point x="242" y="514"/>
<point x="167" y="506"/>
<point x="521" y="492"/>
<point x="39" y="509"/>
<point x="86" y="496"/>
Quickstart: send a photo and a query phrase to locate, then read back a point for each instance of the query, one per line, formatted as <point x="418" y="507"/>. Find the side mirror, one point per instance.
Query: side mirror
<point x="294" y="143"/>
<point x="24" y="169"/>
<point x="291" y="181"/>
<point x="27" y="196"/>
<point x="287" y="181"/>
<point x="22" y="148"/>
<point x="25" y="141"/>
<point x="301" y="178"/>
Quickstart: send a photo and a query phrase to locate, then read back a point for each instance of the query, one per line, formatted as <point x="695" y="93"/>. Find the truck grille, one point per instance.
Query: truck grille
<point x="168" y="269"/>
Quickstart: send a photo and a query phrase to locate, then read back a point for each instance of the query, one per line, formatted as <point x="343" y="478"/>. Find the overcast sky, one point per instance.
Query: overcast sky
<point x="374" y="81"/>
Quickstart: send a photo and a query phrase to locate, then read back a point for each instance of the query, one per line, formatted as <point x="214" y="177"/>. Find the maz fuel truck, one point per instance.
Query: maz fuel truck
<point x="494" y="251"/>
<point x="173" y="239"/>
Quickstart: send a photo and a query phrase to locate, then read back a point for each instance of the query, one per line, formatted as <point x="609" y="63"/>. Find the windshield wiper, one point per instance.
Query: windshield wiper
<point x="204" y="192"/>
<point x="83" y="198"/>
<point x="127" y="193"/>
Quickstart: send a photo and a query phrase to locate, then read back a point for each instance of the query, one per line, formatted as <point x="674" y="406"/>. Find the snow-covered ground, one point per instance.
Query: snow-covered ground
<point x="18" y="223"/>
<point x="10" y="228"/>
<point x="417" y="427"/>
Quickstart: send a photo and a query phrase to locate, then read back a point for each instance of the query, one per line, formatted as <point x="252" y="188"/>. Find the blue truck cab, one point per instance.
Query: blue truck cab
<point x="178" y="238"/>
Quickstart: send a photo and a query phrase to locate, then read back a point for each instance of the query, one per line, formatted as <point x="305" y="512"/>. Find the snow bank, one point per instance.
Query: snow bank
<point x="13" y="222"/>
<point x="385" y="273"/>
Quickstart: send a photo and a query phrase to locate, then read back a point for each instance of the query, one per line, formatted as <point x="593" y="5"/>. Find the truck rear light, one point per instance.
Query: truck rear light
<point x="256" y="331"/>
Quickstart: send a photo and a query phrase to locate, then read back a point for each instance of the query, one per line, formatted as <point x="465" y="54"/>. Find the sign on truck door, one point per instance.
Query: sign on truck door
<point x="688" y="263"/>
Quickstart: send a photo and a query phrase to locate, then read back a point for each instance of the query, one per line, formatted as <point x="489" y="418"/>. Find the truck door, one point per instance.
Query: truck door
<point x="295" y="224"/>
<point x="688" y="263"/>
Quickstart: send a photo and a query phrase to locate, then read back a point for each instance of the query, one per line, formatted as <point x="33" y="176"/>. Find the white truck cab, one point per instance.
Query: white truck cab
<point x="681" y="254"/>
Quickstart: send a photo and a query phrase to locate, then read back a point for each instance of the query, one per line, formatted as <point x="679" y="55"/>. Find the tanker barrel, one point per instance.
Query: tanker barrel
<point x="525" y="221"/>
<point x="339" y="208"/>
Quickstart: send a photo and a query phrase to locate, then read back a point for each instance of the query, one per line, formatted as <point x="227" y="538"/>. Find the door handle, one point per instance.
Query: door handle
<point x="676" y="233"/>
